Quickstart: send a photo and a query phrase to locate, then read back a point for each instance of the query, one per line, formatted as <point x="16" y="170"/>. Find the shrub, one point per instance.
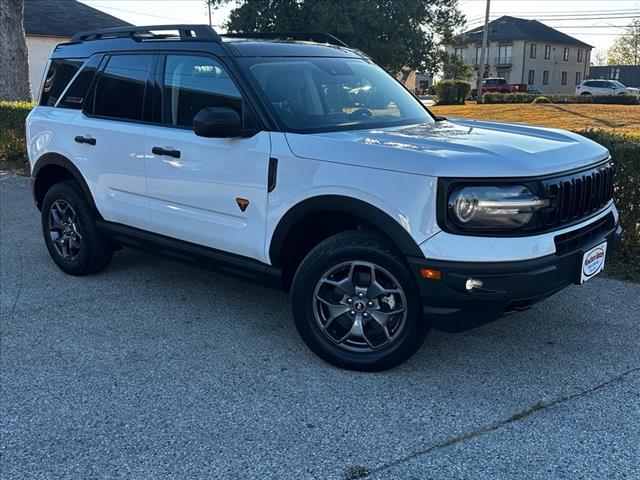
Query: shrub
<point x="625" y="152"/>
<point x="530" y="98"/>
<point x="13" y="153"/>
<point x="452" y="92"/>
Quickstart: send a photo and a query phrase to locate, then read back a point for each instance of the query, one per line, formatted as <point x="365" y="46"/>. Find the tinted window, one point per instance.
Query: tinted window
<point x="192" y="83"/>
<point x="60" y="73"/>
<point x="75" y="94"/>
<point x="325" y="94"/>
<point x="121" y="87"/>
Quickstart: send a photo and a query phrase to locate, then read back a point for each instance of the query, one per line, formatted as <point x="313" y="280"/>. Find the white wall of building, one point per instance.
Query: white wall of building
<point x="40" y="49"/>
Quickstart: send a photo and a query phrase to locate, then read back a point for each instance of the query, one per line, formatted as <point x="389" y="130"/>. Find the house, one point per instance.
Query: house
<point x="527" y="51"/>
<point x="50" y="22"/>
<point x="417" y="83"/>
<point x="629" y="75"/>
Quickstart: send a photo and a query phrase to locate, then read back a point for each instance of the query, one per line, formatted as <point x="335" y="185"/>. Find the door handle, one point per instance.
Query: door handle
<point x="168" y="153"/>
<point x="87" y="140"/>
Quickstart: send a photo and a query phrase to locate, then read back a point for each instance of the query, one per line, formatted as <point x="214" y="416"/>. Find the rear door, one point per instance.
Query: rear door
<point x="208" y="191"/>
<point x="109" y="136"/>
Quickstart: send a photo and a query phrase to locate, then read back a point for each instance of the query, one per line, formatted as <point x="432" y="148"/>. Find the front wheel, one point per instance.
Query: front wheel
<point x="355" y="303"/>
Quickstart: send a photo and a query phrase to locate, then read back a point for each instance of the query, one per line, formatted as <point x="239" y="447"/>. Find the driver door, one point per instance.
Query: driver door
<point x="199" y="187"/>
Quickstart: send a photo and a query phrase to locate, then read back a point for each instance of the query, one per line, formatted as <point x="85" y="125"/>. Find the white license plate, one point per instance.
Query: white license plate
<point x="593" y="262"/>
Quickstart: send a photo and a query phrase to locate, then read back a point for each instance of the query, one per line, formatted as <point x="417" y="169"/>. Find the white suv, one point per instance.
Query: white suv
<point x="604" y="87"/>
<point x="306" y="166"/>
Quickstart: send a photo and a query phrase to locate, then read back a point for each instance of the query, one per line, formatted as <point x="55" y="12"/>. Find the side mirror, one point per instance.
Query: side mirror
<point x="219" y="122"/>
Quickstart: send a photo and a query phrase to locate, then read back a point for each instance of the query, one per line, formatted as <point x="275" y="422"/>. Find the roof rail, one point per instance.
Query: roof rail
<point x="301" y="36"/>
<point x="144" y="32"/>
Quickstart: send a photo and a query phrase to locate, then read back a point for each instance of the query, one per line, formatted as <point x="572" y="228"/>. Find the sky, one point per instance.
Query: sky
<point x="596" y="22"/>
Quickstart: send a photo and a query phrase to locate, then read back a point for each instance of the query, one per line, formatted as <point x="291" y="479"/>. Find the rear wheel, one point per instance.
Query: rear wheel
<point x="355" y="303"/>
<point x="585" y="93"/>
<point x="68" y="226"/>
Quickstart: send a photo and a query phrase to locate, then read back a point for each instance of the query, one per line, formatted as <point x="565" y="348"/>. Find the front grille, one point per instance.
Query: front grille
<point x="584" y="236"/>
<point x="578" y="195"/>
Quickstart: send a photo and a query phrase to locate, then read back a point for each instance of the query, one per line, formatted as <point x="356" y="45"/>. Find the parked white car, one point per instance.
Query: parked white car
<point x="604" y="87"/>
<point x="306" y="166"/>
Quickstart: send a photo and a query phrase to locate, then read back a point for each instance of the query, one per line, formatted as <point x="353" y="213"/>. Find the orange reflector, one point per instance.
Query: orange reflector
<point x="430" y="274"/>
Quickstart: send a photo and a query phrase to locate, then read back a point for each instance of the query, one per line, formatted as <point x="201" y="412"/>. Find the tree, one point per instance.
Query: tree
<point x="626" y="49"/>
<point x="14" y="66"/>
<point x="401" y="35"/>
<point x="455" y="69"/>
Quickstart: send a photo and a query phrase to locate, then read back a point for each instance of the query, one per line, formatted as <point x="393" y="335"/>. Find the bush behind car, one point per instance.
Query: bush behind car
<point x="559" y="98"/>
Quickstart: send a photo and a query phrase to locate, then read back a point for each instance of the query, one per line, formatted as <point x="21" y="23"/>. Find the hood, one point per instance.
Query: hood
<point x="454" y="148"/>
<point x="633" y="90"/>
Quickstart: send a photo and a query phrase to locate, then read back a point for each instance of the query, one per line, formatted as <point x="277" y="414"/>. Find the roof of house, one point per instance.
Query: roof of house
<point x="63" y="18"/>
<point x="512" y="28"/>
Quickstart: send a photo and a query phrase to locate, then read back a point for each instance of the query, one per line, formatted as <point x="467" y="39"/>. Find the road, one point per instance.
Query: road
<point x="156" y="370"/>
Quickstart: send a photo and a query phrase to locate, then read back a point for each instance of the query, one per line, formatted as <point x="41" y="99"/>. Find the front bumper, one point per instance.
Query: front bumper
<point x="507" y="286"/>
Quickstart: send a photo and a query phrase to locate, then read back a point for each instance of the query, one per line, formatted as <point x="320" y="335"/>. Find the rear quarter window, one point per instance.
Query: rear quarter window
<point x="60" y="73"/>
<point x="75" y="95"/>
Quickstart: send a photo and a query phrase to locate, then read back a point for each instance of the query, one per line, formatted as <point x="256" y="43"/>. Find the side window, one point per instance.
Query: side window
<point x="60" y="73"/>
<point x="75" y="94"/>
<point x="121" y="87"/>
<point x="192" y="83"/>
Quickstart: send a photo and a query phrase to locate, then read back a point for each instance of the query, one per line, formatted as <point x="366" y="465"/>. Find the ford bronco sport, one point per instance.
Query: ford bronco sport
<point x="296" y="161"/>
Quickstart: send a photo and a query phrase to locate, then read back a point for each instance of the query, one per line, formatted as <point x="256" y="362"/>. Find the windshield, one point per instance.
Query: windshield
<point x="327" y="94"/>
<point x="617" y="84"/>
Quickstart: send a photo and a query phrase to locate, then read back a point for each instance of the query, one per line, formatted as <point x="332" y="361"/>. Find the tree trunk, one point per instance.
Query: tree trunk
<point x="14" y="64"/>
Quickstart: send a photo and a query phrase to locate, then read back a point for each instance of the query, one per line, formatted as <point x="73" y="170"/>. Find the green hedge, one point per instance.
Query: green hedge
<point x="625" y="151"/>
<point x="530" y="97"/>
<point x="13" y="155"/>
<point x="452" y="92"/>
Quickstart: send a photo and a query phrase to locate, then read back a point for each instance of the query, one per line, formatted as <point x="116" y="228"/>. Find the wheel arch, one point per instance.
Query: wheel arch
<point x="52" y="168"/>
<point x="340" y="206"/>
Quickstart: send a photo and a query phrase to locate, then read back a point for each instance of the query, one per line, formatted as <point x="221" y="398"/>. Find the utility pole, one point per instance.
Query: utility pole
<point x="483" y="51"/>
<point x="209" y="5"/>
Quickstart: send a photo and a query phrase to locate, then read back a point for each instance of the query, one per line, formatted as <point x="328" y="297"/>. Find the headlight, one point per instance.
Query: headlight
<point x="488" y="207"/>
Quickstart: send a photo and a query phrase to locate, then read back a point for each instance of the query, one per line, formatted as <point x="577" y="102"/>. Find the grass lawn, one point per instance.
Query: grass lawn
<point x="580" y="116"/>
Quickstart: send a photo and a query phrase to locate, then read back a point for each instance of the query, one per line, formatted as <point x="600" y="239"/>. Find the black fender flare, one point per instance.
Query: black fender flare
<point x="60" y="161"/>
<point x="338" y="203"/>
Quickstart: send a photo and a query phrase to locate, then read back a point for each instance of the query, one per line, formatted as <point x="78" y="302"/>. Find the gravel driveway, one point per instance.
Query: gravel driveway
<point x="157" y="370"/>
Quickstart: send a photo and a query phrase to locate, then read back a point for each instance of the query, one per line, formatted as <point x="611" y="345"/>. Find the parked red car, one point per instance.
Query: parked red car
<point x="499" y="85"/>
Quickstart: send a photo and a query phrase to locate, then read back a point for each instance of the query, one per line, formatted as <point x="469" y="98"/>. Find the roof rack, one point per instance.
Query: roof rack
<point x="186" y="32"/>
<point x="301" y="36"/>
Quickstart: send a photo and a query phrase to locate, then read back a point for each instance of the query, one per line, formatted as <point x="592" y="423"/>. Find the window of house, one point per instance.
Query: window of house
<point x="459" y="52"/>
<point x="192" y="83"/>
<point x="532" y="77"/>
<point x="565" y="55"/>
<point x="578" y="78"/>
<point x="563" y="80"/>
<point x="532" y="50"/>
<point x="60" y="73"/>
<point x="547" y="52"/>
<point x="504" y="54"/>
<point x="545" y="77"/>
<point x="579" y="55"/>
<point x="504" y="73"/>
<point x="121" y="87"/>
<point x="486" y="55"/>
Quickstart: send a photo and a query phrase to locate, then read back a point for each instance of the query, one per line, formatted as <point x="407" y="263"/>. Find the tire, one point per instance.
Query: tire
<point x="69" y="230"/>
<point x="354" y="255"/>
<point x="585" y="93"/>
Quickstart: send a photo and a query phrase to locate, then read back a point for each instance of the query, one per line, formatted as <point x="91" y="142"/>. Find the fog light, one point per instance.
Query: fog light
<point x="473" y="283"/>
